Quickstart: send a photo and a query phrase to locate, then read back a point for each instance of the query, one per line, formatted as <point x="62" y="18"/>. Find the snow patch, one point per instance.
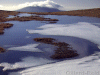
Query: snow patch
<point x="30" y="47"/>
<point x="83" y="30"/>
<point x="26" y="62"/>
<point x="84" y="66"/>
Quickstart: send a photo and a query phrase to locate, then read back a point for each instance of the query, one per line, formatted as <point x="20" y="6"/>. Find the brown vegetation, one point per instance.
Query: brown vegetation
<point x="4" y="14"/>
<point x="44" y="40"/>
<point x="37" y="18"/>
<point x="29" y="18"/>
<point x="3" y="26"/>
<point x="2" y="50"/>
<point x="86" y="12"/>
<point x="63" y="51"/>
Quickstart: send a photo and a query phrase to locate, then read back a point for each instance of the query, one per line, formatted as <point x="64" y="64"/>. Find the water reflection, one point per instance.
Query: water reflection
<point x="20" y="15"/>
<point x="17" y="36"/>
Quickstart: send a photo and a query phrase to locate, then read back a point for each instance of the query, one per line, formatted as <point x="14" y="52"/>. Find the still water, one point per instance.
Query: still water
<point x="23" y="52"/>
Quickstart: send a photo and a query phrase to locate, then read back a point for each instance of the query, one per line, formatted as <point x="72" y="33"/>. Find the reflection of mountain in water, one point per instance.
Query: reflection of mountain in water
<point x="38" y="9"/>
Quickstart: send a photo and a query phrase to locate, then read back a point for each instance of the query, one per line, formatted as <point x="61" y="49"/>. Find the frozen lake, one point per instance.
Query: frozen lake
<point x="82" y="33"/>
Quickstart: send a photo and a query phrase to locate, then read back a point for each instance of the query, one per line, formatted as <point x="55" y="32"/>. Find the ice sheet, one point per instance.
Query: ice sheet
<point x="84" y="66"/>
<point x="29" y="47"/>
<point x="83" y="30"/>
<point x="26" y="62"/>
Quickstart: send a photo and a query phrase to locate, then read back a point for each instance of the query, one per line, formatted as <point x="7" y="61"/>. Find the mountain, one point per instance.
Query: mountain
<point x="38" y="9"/>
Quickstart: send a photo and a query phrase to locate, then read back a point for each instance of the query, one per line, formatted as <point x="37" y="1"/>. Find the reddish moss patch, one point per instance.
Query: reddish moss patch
<point x="52" y="22"/>
<point x="44" y="40"/>
<point x="2" y="50"/>
<point x="3" y="26"/>
<point x="4" y="14"/>
<point x="63" y="51"/>
<point x="38" y="18"/>
<point x="29" y="18"/>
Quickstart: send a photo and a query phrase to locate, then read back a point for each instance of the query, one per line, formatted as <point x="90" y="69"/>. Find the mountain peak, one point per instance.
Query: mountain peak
<point x="38" y="9"/>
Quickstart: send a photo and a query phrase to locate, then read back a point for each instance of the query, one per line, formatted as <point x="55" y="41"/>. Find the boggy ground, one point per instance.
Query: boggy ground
<point x="3" y="26"/>
<point x="4" y="14"/>
<point x="29" y="18"/>
<point x="63" y="51"/>
<point x="86" y="12"/>
<point x="2" y="50"/>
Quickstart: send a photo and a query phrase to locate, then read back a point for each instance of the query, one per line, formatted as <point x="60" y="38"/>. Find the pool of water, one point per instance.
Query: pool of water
<point x="21" y="15"/>
<point x="17" y="42"/>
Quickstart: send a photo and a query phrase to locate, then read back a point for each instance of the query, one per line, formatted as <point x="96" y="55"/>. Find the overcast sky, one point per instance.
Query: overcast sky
<point x="67" y="4"/>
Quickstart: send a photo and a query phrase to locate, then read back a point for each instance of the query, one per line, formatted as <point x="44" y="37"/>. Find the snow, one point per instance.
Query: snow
<point x="83" y="30"/>
<point x="89" y="65"/>
<point x="29" y="61"/>
<point x="84" y="66"/>
<point x="29" y="47"/>
<point x="26" y="62"/>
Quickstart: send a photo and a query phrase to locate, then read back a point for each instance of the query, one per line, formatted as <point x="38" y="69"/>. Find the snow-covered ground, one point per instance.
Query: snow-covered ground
<point x="89" y="65"/>
<point x="84" y="66"/>
<point x="83" y="30"/>
<point x="30" y="47"/>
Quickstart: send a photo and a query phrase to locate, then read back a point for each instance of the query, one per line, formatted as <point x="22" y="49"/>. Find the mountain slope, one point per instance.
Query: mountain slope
<point x="38" y="9"/>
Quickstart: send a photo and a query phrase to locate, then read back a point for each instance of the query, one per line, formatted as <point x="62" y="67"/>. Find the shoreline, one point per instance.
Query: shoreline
<point x="8" y="39"/>
<point x="4" y="14"/>
<point x="4" y="26"/>
<point x="95" y="12"/>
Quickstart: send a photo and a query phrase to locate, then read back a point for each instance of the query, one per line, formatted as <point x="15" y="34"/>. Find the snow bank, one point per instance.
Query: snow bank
<point x="26" y="62"/>
<point x="84" y="66"/>
<point x="30" y="47"/>
<point x="83" y="30"/>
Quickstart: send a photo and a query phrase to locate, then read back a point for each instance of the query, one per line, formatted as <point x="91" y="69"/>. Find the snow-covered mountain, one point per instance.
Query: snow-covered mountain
<point x="38" y="9"/>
